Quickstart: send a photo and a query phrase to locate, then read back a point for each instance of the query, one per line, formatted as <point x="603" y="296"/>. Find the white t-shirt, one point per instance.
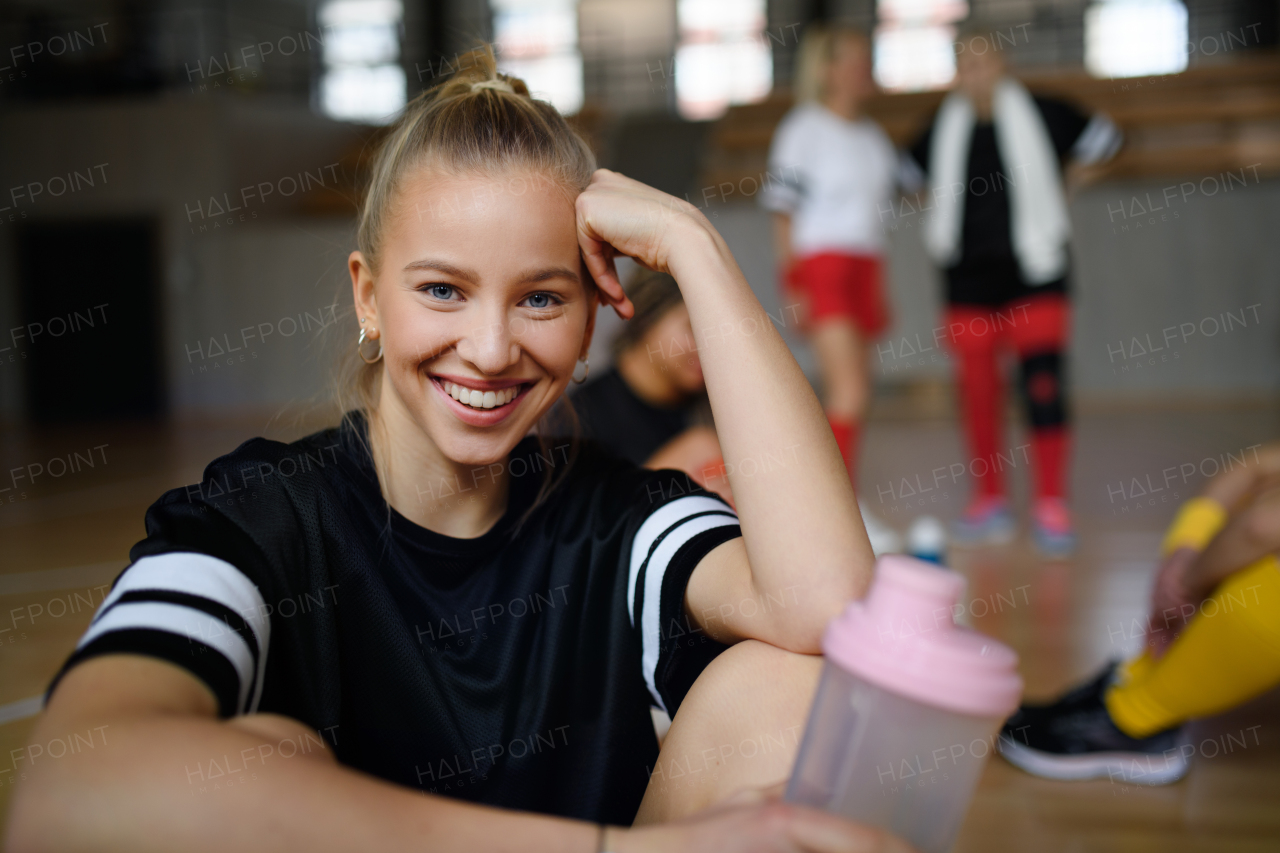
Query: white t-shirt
<point x="834" y="177"/>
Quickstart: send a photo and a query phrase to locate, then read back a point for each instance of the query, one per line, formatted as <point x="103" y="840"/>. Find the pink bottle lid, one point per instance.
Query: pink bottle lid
<point x="902" y="637"/>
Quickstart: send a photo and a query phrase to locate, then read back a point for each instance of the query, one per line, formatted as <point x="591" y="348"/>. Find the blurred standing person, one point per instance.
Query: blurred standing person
<point x="997" y="225"/>
<point x="834" y="170"/>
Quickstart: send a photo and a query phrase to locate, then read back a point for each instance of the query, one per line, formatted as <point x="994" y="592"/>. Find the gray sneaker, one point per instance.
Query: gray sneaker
<point x="987" y="521"/>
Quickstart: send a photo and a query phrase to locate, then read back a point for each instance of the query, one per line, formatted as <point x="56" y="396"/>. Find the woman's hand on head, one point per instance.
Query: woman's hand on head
<point x="620" y="216"/>
<point x="758" y="821"/>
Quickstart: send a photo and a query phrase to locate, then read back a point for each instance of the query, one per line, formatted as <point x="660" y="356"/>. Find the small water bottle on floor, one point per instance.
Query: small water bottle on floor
<point x="907" y="709"/>
<point x="927" y="539"/>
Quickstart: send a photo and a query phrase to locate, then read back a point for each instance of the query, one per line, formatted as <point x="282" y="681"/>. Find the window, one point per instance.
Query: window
<point x="362" y="79"/>
<point x="913" y="43"/>
<point x="723" y="57"/>
<point x="537" y="41"/>
<point x="1134" y="38"/>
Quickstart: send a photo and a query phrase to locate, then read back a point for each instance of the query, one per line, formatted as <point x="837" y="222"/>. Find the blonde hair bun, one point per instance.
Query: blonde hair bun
<point x="499" y="84"/>
<point x="480" y="75"/>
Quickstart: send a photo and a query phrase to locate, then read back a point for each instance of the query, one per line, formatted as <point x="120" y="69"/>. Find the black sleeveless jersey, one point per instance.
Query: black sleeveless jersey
<point x="516" y="669"/>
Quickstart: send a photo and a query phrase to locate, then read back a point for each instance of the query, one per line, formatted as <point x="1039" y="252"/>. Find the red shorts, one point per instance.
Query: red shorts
<point x="1029" y="325"/>
<point x="832" y="284"/>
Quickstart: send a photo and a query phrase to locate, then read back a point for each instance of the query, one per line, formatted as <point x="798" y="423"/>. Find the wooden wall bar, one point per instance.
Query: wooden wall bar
<point x="1200" y="122"/>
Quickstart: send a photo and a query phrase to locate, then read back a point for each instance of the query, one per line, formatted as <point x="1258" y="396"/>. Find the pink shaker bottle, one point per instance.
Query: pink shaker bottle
<point x="907" y="709"/>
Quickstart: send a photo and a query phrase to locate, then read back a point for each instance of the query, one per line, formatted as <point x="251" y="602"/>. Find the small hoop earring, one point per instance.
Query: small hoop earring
<point x="361" y="341"/>
<point x="586" y="364"/>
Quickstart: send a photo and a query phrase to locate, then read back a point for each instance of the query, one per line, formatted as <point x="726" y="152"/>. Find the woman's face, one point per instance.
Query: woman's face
<point x="850" y="69"/>
<point x="482" y="306"/>
<point x="670" y="345"/>
<point x="977" y="73"/>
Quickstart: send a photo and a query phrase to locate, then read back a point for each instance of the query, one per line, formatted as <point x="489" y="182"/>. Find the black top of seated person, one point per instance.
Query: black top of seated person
<point x="615" y="416"/>
<point x="506" y="669"/>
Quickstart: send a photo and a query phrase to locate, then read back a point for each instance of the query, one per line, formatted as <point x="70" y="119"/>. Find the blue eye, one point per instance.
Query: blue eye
<point x="541" y="300"/>
<point x="441" y="291"/>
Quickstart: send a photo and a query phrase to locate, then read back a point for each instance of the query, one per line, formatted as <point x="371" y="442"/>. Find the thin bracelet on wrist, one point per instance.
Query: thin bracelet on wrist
<point x="602" y="839"/>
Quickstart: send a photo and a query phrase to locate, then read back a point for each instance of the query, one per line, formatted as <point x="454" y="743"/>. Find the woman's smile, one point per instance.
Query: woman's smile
<point x="481" y="402"/>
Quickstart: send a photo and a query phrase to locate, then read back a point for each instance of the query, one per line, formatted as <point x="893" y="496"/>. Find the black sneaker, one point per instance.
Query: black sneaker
<point x="1074" y="738"/>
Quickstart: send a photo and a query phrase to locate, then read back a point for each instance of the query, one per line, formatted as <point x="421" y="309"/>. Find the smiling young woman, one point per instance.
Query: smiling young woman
<point x="500" y="610"/>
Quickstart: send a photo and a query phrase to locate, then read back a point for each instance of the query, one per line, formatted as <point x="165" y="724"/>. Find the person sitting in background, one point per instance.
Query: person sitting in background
<point x="838" y="169"/>
<point x="1212" y="643"/>
<point x="998" y="227"/>
<point x="651" y="407"/>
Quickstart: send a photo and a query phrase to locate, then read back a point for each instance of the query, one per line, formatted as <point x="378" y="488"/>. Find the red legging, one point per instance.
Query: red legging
<point x="1036" y="328"/>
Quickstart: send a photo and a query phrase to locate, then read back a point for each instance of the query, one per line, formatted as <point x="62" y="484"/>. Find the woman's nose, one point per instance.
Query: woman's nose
<point x="490" y="346"/>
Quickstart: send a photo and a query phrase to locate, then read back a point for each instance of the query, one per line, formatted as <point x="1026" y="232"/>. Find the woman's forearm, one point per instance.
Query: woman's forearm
<point x="1238" y="485"/>
<point x="803" y="533"/>
<point x="803" y="540"/>
<point x="171" y="782"/>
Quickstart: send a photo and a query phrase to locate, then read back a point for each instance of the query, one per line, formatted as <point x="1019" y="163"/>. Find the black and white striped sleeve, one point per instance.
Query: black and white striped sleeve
<point x="666" y="549"/>
<point x="782" y="187"/>
<point x="193" y="610"/>
<point x="1077" y="135"/>
<point x="1098" y="142"/>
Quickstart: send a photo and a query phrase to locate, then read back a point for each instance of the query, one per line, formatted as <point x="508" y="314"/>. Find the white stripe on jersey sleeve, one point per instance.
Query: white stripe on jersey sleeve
<point x="185" y="622"/>
<point x="667" y="516"/>
<point x="205" y="576"/>
<point x="1098" y="142"/>
<point x="675" y="521"/>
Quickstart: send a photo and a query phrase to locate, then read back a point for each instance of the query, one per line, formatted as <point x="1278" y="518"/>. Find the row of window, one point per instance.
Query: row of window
<point x="723" y="56"/>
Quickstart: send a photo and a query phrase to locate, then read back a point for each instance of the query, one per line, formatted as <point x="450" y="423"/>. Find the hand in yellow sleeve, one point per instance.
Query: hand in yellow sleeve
<point x="1173" y="601"/>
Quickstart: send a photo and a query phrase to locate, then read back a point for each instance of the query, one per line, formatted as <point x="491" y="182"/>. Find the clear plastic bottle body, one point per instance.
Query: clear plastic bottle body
<point x="879" y="758"/>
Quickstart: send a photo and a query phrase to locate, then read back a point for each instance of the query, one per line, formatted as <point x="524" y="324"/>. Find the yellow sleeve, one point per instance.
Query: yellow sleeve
<point x="1195" y="525"/>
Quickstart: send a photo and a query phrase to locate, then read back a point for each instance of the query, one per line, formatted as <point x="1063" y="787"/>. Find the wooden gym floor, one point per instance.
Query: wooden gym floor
<point x="65" y="537"/>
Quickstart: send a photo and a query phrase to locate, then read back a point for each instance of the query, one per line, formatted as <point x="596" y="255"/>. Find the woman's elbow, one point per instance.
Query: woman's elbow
<point x="802" y="631"/>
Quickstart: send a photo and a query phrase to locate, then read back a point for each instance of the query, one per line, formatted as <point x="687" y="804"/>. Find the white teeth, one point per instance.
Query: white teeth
<point x="480" y="399"/>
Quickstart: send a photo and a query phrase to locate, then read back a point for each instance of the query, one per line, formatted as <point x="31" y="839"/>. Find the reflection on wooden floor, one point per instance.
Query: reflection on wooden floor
<point x="67" y="536"/>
